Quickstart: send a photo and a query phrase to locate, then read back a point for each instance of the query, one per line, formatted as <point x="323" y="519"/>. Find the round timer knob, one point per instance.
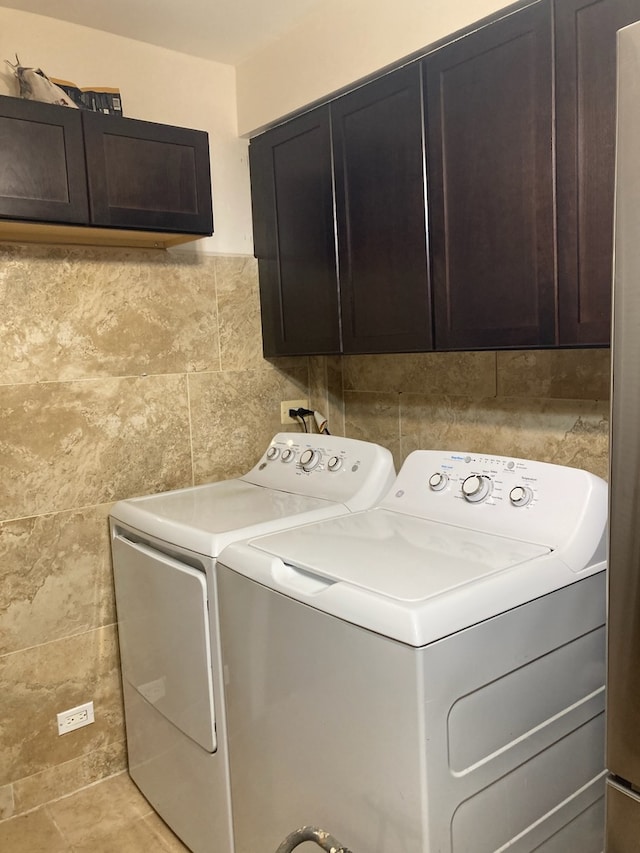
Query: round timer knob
<point x="334" y="464"/>
<point x="288" y="455"/>
<point x="438" y="481"/>
<point x="273" y="453"/>
<point x="476" y="488"/>
<point x="309" y="460"/>
<point x="520" y="495"/>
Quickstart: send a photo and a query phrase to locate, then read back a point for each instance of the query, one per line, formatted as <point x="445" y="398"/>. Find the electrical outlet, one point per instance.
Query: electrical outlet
<point x="291" y="404"/>
<point x="75" y="718"/>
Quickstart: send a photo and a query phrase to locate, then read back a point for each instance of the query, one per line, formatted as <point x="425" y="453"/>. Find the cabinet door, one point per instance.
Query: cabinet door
<point x="147" y="176"/>
<point x="585" y="120"/>
<point x="380" y="208"/>
<point x="42" y="170"/>
<point x="292" y="197"/>
<point x="489" y="120"/>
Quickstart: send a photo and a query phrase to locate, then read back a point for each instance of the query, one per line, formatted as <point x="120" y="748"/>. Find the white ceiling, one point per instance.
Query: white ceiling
<point x="222" y="30"/>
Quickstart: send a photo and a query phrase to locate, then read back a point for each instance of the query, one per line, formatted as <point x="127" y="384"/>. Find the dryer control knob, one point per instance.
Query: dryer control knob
<point x="288" y="455"/>
<point x="438" y="481"/>
<point x="273" y="453"/>
<point x="520" y="495"/>
<point x="334" y="464"/>
<point x="476" y="488"/>
<point x="309" y="460"/>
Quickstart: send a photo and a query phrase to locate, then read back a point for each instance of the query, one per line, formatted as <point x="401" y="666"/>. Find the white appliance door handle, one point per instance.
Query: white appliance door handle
<point x="299" y="580"/>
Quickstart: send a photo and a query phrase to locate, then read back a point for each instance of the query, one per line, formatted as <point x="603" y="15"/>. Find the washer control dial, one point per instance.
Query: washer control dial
<point x="273" y="453"/>
<point x="288" y="455"/>
<point x="520" y="495"/>
<point x="334" y="464"/>
<point x="309" y="459"/>
<point x="476" y="488"/>
<point x="438" y="481"/>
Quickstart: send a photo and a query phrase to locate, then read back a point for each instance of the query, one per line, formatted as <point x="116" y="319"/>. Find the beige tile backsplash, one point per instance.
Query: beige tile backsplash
<point x="35" y="681"/>
<point x="56" y="577"/>
<point x="551" y="405"/>
<point x="73" y="444"/>
<point x="126" y="372"/>
<point x="74" y="313"/>
<point x="234" y="415"/>
<point x="565" y="432"/>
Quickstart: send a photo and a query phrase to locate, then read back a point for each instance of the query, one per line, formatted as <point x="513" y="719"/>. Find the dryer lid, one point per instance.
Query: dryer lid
<point x="205" y="518"/>
<point x="397" y="556"/>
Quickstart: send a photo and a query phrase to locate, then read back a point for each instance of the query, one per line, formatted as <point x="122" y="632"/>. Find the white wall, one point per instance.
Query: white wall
<point x="156" y="85"/>
<point x="339" y="43"/>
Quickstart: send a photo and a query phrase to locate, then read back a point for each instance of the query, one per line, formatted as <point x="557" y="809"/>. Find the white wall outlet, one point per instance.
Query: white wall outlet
<point x="291" y="404"/>
<point x="75" y="718"/>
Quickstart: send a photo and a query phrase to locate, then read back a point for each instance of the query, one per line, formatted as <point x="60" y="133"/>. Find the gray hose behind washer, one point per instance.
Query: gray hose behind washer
<point x="311" y="833"/>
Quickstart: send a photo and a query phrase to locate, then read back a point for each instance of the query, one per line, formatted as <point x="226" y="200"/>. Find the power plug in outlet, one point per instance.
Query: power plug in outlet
<point x="75" y="718"/>
<point x="291" y="404"/>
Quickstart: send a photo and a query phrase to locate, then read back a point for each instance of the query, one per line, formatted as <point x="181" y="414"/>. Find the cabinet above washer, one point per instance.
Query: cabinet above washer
<point x="472" y="208"/>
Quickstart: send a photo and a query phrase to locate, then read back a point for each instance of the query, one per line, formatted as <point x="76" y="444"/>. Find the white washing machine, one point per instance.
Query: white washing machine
<point x="164" y="557"/>
<point x="426" y="676"/>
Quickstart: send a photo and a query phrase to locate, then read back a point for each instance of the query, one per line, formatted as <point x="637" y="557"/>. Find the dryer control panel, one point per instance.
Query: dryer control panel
<point x="345" y="470"/>
<point x="519" y="498"/>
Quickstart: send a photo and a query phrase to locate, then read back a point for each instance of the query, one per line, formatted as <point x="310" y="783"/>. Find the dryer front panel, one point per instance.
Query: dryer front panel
<point x="163" y="628"/>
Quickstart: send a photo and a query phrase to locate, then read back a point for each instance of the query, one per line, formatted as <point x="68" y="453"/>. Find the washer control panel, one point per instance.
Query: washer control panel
<point x="326" y="466"/>
<point x="478" y="477"/>
<point x="526" y="499"/>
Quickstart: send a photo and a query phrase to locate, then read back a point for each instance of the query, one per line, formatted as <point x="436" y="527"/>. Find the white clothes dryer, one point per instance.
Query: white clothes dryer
<point x="164" y="557"/>
<point x="426" y="676"/>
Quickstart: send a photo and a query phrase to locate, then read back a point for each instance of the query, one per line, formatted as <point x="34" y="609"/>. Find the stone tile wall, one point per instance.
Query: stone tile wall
<point x="122" y="372"/>
<point x="551" y="405"/>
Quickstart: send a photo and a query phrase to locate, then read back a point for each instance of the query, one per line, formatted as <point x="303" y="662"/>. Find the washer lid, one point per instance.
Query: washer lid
<point x="206" y="518"/>
<point x="400" y="557"/>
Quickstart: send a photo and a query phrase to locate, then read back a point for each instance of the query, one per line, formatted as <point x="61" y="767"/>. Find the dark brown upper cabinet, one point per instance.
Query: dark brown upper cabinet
<point x="292" y="199"/>
<point x="585" y="64"/>
<point x="144" y="175"/>
<point x="380" y="184"/>
<point x="42" y="168"/>
<point x="379" y="301"/>
<point x="72" y="176"/>
<point x="491" y="195"/>
<point x="518" y="120"/>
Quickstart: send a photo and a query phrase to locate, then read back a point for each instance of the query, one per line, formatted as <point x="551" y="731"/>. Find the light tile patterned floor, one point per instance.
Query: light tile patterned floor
<point x="109" y="817"/>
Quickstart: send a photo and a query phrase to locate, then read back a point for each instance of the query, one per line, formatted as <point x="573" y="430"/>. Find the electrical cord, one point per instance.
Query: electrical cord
<point x="321" y="423"/>
<point x="300" y="415"/>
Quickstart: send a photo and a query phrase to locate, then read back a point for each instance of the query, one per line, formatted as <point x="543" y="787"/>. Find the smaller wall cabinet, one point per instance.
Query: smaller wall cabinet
<point x="292" y="203"/>
<point x="42" y="170"/>
<point x="146" y="175"/>
<point x="89" y="171"/>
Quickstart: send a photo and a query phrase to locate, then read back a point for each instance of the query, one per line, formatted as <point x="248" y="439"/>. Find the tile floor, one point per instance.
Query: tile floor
<point x="108" y="817"/>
